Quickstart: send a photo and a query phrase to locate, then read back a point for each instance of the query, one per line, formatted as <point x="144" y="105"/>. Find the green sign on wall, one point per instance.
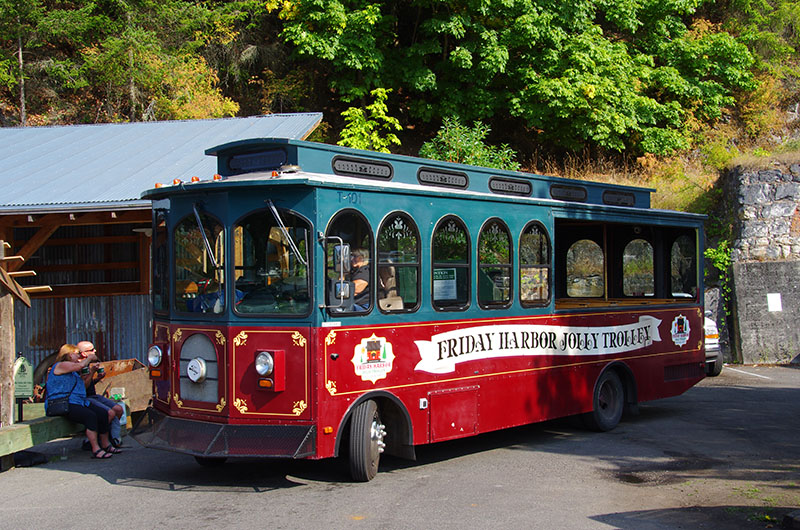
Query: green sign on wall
<point x="23" y="378"/>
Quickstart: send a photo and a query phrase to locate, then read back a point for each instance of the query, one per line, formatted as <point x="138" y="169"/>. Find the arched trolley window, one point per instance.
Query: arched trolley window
<point x="349" y="274"/>
<point x="534" y="266"/>
<point x="199" y="264"/>
<point x="451" y="265"/>
<point x="398" y="264"/>
<point x="271" y="259"/>
<point x="585" y="270"/>
<point x="494" y="265"/>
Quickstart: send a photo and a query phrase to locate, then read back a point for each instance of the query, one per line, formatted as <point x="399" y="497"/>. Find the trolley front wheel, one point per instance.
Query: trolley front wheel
<point x="366" y="441"/>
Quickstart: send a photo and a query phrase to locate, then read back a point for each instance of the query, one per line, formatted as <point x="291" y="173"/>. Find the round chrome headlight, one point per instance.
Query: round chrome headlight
<point x="264" y="363"/>
<point x="154" y="356"/>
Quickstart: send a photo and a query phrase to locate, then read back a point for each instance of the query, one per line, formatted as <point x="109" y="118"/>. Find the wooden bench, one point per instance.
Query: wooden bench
<point x="28" y="433"/>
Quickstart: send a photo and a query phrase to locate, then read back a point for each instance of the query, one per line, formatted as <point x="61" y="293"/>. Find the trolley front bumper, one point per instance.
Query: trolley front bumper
<point x="206" y="439"/>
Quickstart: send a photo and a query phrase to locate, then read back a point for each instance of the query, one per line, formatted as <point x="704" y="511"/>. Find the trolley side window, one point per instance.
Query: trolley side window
<point x="638" y="273"/>
<point x="348" y="264"/>
<point x="451" y="265"/>
<point x="494" y="265"/>
<point x="683" y="267"/>
<point x="585" y="270"/>
<point x="398" y="264"/>
<point x="199" y="264"/>
<point x="534" y="266"/>
<point x="271" y="263"/>
<point x="160" y="264"/>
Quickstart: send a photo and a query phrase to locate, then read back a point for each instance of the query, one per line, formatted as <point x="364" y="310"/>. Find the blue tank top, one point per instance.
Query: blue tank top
<point x="62" y="385"/>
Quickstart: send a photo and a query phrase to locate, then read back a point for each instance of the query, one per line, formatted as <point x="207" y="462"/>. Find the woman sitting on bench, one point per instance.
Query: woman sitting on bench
<point x="65" y="380"/>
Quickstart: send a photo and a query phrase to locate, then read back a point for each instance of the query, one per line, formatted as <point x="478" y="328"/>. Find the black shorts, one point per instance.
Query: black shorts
<point x="94" y="417"/>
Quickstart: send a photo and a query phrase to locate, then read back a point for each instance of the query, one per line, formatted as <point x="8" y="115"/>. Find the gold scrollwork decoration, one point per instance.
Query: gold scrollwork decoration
<point x="240" y="339"/>
<point x="177" y="336"/>
<point x="298" y="339"/>
<point x="331" y="387"/>
<point x="221" y="404"/>
<point x="331" y="338"/>
<point x="220" y="338"/>
<point x="299" y="407"/>
<point x="178" y="400"/>
<point x="240" y="404"/>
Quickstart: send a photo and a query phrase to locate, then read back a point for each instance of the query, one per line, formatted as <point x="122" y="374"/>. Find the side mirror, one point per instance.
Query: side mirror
<point x="341" y="258"/>
<point x="342" y="290"/>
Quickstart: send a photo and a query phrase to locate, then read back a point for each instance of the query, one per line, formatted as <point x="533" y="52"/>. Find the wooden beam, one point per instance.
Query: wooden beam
<point x="20" y="274"/>
<point x="99" y="240"/>
<point x="33" y="244"/>
<point x="38" y="289"/>
<point x="143" y="216"/>
<point x="91" y="289"/>
<point x="7" y="344"/>
<point x="9" y="287"/>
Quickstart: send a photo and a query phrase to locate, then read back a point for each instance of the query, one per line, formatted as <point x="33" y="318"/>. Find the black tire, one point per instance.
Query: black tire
<point x="366" y="441"/>
<point x="210" y="461"/>
<point x="715" y="369"/>
<point x="608" y="402"/>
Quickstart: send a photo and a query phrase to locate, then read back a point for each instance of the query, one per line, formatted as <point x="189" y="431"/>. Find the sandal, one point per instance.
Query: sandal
<point x="96" y="454"/>
<point x="112" y="450"/>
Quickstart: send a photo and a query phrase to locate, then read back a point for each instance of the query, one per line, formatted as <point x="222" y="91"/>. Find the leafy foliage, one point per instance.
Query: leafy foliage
<point x="614" y="75"/>
<point x="720" y="257"/>
<point x="456" y="142"/>
<point x="588" y="76"/>
<point x="117" y="60"/>
<point x="370" y="132"/>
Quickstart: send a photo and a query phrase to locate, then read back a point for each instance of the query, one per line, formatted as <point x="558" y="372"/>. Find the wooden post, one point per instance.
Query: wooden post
<point x="6" y="351"/>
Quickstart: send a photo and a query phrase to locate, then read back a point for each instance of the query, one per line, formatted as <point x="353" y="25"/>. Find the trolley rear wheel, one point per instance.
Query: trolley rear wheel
<point x="366" y="441"/>
<point x="608" y="402"/>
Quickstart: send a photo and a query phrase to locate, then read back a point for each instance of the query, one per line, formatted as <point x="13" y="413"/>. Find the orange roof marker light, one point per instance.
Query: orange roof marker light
<point x="175" y="182"/>
<point x="158" y="185"/>
<point x="195" y="179"/>
<point x="217" y="176"/>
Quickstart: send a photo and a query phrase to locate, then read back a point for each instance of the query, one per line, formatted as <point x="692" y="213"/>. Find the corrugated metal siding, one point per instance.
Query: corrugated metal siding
<point x="119" y="326"/>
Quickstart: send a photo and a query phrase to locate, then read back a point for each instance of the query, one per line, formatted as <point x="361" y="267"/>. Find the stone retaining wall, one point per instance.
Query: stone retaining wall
<point x="766" y="264"/>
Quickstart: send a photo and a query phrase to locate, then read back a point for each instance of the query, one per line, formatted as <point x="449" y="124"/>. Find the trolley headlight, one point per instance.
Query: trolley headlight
<point x="154" y="356"/>
<point x="264" y="363"/>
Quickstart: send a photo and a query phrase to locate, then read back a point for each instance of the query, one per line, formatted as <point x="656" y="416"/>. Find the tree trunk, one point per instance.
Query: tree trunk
<point x="23" y="118"/>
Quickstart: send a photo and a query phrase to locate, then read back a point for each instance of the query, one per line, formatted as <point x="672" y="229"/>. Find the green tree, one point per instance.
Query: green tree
<point x="18" y="19"/>
<point x="458" y="143"/>
<point x="370" y="130"/>
<point x="101" y="60"/>
<point x="614" y="75"/>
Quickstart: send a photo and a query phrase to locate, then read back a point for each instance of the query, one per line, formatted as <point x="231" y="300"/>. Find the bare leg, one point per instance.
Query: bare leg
<point x="92" y="436"/>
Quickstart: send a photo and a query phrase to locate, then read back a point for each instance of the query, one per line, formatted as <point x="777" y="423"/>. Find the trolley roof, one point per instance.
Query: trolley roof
<point x="282" y="161"/>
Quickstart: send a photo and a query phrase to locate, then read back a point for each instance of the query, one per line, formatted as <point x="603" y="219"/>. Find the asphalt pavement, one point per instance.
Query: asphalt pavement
<point x="723" y="455"/>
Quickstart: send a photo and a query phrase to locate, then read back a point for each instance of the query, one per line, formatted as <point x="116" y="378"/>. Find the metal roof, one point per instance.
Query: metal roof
<point x="104" y="166"/>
